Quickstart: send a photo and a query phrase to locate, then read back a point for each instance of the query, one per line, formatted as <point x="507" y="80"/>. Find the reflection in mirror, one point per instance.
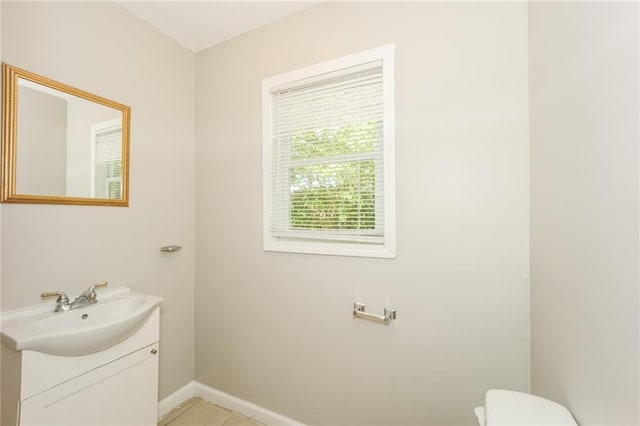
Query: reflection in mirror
<point x="60" y="144"/>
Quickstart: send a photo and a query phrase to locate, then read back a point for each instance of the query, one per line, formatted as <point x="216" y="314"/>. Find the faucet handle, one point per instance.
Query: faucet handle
<point x="100" y="284"/>
<point x="91" y="292"/>
<point x="62" y="297"/>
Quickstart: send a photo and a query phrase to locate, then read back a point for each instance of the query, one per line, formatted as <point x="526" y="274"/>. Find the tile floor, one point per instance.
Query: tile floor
<point x="197" y="412"/>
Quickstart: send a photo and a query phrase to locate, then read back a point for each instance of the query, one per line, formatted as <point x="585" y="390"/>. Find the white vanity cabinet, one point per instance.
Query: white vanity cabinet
<point x="116" y="386"/>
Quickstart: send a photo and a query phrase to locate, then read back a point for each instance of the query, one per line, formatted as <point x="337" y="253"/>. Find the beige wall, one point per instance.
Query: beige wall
<point x="101" y="48"/>
<point x="276" y="328"/>
<point x="584" y="208"/>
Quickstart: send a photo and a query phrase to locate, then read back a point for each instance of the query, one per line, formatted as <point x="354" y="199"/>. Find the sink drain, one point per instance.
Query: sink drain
<point x="85" y="316"/>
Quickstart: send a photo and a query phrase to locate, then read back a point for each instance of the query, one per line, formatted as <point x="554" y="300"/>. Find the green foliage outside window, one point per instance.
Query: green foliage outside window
<point x="109" y="180"/>
<point x="336" y="194"/>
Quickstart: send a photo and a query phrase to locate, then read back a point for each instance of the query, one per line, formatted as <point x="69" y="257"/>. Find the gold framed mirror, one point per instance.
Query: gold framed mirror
<point x="61" y="145"/>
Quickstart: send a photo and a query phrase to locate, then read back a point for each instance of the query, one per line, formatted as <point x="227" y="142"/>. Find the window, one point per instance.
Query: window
<point x="106" y="180"/>
<point x="328" y="157"/>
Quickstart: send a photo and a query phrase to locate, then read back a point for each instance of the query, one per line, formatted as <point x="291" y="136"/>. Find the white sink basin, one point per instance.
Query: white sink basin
<point x="116" y="316"/>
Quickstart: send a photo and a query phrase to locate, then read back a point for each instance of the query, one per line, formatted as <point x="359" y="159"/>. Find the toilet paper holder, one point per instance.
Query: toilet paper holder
<point x="359" y="312"/>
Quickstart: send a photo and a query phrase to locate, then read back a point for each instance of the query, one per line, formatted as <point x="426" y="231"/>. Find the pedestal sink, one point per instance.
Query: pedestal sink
<point x="92" y="328"/>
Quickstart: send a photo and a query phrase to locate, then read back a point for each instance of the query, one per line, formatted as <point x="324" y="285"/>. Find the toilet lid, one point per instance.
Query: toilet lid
<point x="504" y="407"/>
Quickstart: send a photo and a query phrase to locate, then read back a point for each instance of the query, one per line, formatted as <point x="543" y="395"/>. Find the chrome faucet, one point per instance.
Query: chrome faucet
<point x="87" y="297"/>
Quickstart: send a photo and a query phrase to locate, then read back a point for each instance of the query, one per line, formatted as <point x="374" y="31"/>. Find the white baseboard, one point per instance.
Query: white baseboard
<point x="176" y="398"/>
<point x="230" y="402"/>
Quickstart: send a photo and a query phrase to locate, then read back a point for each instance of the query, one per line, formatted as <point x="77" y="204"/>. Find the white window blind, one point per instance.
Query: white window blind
<point x="109" y="146"/>
<point x="328" y="157"/>
<point x="108" y="163"/>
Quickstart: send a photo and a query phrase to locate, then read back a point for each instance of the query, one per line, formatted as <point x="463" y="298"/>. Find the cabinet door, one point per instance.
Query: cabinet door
<point x="122" y="392"/>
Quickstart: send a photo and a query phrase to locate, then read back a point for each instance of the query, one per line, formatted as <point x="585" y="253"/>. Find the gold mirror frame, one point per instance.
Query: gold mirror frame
<point x="10" y="75"/>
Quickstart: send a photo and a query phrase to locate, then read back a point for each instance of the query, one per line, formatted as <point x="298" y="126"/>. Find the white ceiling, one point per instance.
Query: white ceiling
<point x="201" y="24"/>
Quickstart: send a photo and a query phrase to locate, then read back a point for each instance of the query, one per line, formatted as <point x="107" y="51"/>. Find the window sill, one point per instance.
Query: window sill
<point x="386" y="251"/>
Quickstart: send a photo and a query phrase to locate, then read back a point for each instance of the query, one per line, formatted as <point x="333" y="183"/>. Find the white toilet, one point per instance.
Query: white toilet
<point x="503" y="407"/>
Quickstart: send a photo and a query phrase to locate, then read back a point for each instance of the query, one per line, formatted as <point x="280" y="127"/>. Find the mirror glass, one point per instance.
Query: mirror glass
<point x="60" y="144"/>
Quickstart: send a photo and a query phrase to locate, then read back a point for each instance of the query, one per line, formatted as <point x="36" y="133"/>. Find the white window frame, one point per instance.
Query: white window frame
<point x="387" y="249"/>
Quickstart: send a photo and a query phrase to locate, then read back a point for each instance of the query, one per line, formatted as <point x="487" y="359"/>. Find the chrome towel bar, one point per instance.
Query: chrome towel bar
<point x="389" y="314"/>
